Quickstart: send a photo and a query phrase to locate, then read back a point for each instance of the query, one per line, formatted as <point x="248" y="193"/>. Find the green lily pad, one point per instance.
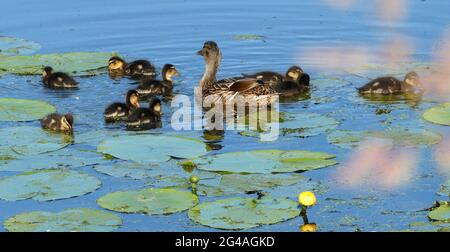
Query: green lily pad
<point x="15" y="46"/>
<point x="63" y="158"/>
<point x="74" y="63"/>
<point x="19" y="110"/>
<point x="127" y="170"/>
<point x="439" y="114"/>
<point x="441" y="213"/>
<point x="265" y="161"/>
<point x="410" y="138"/>
<point x="243" y="213"/>
<point x="149" y="201"/>
<point x="27" y="140"/>
<point x="308" y="124"/>
<point x="47" y="185"/>
<point x="258" y="182"/>
<point x="148" y="148"/>
<point x="70" y="220"/>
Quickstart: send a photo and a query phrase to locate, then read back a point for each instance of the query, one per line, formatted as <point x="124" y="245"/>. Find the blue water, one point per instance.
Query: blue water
<point x="172" y="31"/>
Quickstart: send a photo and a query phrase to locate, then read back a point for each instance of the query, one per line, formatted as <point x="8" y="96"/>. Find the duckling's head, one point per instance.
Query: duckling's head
<point x="155" y="105"/>
<point x="133" y="98"/>
<point x="169" y="71"/>
<point x="67" y="122"/>
<point x="47" y="71"/>
<point x="211" y="53"/>
<point x="116" y="64"/>
<point x="294" y="72"/>
<point x="412" y="79"/>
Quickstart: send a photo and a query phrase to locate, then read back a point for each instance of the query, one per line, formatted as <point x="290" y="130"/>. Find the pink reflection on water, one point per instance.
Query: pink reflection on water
<point x="442" y="156"/>
<point x="341" y="4"/>
<point x="391" y="10"/>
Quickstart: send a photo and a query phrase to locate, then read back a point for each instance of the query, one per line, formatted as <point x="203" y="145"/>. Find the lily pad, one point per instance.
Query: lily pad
<point x="258" y="182"/>
<point x="127" y="170"/>
<point x="308" y="124"/>
<point x="410" y="138"/>
<point x="148" y="148"/>
<point x="74" y="63"/>
<point x="16" y="46"/>
<point x="70" y="220"/>
<point x="47" y="185"/>
<point x="439" y="114"/>
<point x="243" y="213"/>
<point x="441" y="213"/>
<point x="27" y="140"/>
<point x="265" y="161"/>
<point x="18" y="110"/>
<point x="149" y="201"/>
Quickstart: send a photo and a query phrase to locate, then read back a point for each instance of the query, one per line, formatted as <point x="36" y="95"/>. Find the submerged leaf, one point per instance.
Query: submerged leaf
<point x="19" y="110"/>
<point x="15" y="46"/>
<point x="149" y="201"/>
<point x="265" y="161"/>
<point x="70" y="220"/>
<point x="243" y="213"/>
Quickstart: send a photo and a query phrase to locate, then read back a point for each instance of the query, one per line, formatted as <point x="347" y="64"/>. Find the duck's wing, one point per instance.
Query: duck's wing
<point x="244" y="85"/>
<point x="266" y="76"/>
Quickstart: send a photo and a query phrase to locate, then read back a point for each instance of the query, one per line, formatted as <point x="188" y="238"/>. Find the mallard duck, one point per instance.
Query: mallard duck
<point x="136" y="69"/>
<point x="120" y="111"/>
<point x="143" y="118"/>
<point x="57" y="80"/>
<point x="252" y="90"/>
<point x="295" y="81"/>
<point x="58" y="123"/>
<point x="159" y="87"/>
<point x="391" y="85"/>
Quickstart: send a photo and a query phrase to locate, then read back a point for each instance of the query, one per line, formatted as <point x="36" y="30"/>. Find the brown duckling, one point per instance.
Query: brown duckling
<point x="58" y="123"/>
<point x="391" y="85"/>
<point x="57" y="80"/>
<point x="144" y="119"/>
<point x="136" y="69"/>
<point x="120" y="111"/>
<point x="159" y="87"/>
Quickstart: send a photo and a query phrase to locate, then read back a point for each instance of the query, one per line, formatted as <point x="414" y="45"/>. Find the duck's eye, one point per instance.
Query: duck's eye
<point x="119" y="108"/>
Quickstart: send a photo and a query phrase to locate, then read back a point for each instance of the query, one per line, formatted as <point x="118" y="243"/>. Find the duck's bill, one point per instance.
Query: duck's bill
<point x="200" y="53"/>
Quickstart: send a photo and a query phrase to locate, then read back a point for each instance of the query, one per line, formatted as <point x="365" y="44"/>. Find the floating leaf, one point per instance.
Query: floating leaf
<point x="70" y="220"/>
<point x="441" y="213"/>
<point x="411" y="138"/>
<point x="19" y="110"/>
<point x="15" y="46"/>
<point x="149" y="201"/>
<point x="148" y="148"/>
<point x="258" y="182"/>
<point x="74" y="63"/>
<point x="126" y="169"/>
<point x="243" y="213"/>
<point x="265" y="161"/>
<point x="308" y="124"/>
<point x="31" y="140"/>
<point x="47" y="185"/>
<point x="439" y="114"/>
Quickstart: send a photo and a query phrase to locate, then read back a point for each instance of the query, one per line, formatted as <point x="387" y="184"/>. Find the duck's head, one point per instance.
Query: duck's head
<point x="294" y="72"/>
<point x="169" y="71"/>
<point x="304" y="79"/>
<point x="155" y="105"/>
<point x="67" y="122"/>
<point x="133" y="99"/>
<point x="47" y="71"/>
<point x="211" y="53"/>
<point x="116" y="64"/>
<point x="412" y="79"/>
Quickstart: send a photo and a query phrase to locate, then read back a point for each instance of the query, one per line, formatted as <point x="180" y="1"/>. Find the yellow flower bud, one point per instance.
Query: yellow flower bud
<point x="310" y="227"/>
<point x="307" y="198"/>
<point x="194" y="179"/>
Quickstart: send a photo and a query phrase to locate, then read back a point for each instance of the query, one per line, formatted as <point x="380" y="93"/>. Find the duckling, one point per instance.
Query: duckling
<point x="57" y="80"/>
<point x="120" y="111"/>
<point x="390" y="85"/>
<point x="58" y="123"/>
<point x="293" y="83"/>
<point x="136" y="69"/>
<point x="143" y="119"/>
<point x="157" y="87"/>
<point x="227" y="89"/>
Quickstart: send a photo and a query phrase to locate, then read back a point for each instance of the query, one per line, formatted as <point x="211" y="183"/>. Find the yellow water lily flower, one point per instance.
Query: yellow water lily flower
<point x="307" y="198"/>
<point x="310" y="227"/>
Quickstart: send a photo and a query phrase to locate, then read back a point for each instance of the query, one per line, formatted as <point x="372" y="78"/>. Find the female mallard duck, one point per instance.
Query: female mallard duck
<point x="158" y="87"/>
<point x="391" y="85"/>
<point x="293" y="83"/>
<point x="227" y="89"/>
<point x="58" y="123"/>
<point x="120" y="111"/>
<point x="137" y="69"/>
<point x="57" y="80"/>
<point x="143" y="119"/>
